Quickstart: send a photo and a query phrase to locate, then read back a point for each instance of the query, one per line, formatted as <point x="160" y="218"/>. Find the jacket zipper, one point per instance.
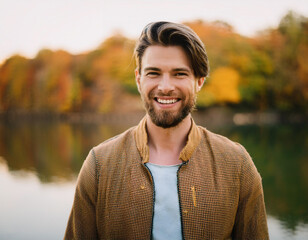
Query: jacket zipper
<point x="153" y="184"/>
<point x="152" y="179"/>
<point x="180" y="204"/>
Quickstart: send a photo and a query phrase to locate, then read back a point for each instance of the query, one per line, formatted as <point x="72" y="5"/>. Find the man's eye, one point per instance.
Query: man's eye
<point x="152" y="74"/>
<point x="181" y="74"/>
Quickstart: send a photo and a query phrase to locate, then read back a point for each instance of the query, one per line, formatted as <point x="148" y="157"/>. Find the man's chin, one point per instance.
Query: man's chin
<point x="166" y="125"/>
<point x="166" y="119"/>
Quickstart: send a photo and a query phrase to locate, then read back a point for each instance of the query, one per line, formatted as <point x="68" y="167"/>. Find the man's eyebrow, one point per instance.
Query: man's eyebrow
<point x="151" y="69"/>
<point x="181" y="70"/>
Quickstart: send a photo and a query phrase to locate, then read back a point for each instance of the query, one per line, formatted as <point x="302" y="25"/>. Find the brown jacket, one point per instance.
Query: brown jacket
<point x="220" y="190"/>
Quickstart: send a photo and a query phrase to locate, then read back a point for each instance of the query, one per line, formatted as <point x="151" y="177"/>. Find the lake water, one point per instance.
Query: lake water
<point x="40" y="161"/>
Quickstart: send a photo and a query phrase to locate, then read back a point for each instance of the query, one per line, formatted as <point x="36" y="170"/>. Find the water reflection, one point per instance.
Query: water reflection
<point x="53" y="152"/>
<point x="31" y="210"/>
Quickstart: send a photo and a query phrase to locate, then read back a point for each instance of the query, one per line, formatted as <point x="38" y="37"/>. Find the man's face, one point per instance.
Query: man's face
<point x="167" y="85"/>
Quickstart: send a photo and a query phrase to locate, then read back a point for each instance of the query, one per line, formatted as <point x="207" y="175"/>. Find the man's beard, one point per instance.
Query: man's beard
<point x="167" y="118"/>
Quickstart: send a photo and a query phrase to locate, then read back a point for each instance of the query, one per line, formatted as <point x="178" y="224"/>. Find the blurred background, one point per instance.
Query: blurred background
<point x="67" y="83"/>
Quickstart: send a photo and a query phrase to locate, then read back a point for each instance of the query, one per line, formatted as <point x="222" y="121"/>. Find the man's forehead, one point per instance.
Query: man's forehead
<point x="161" y="57"/>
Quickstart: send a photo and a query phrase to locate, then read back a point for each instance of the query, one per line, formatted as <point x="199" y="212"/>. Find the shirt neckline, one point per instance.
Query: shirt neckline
<point x="163" y="166"/>
<point x="141" y="139"/>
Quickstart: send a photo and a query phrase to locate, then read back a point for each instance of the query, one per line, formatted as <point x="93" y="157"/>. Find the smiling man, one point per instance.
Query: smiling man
<point x="167" y="85"/>
<point x="168" y="178"/>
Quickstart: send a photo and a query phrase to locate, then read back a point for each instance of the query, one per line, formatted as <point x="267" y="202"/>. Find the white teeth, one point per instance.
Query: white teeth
<point x="166" y="101"/>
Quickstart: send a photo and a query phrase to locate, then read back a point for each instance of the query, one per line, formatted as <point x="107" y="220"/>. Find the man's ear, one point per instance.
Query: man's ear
<point x="137" y="78"/>
<point x="199" y="83"/>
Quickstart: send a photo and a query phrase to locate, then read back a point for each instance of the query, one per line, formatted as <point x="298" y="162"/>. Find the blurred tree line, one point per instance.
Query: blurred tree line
<point x="266" y="72"/>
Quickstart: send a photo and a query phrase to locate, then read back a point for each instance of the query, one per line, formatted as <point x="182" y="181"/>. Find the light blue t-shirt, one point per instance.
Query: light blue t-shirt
<point x="167" y="219"/>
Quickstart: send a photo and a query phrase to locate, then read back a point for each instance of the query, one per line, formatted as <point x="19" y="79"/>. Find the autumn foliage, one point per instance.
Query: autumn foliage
<point x="266" y="72"/>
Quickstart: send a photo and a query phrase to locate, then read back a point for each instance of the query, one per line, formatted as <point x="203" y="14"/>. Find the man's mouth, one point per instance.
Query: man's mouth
<point x="166" y="101"/>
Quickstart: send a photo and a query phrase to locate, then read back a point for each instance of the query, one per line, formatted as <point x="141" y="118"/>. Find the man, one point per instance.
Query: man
<point x="168" y="178"/>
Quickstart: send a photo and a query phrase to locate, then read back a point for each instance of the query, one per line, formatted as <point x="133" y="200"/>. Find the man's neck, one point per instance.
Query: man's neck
<point x="166" y="144"/>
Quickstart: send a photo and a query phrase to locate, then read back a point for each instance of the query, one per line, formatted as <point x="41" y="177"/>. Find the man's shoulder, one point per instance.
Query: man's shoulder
<point x="217" y="138"/>
<point x="228" y="154"/>
<point x="223" y="145"/>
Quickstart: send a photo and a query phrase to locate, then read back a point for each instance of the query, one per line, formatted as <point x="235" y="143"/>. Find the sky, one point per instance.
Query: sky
<point x="77" y="26"/>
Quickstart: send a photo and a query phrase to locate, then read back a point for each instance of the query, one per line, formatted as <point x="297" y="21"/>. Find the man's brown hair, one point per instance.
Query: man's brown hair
<point x="174" y="34"/>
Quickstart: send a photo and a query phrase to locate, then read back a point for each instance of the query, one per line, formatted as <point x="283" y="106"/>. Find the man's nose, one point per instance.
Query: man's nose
<point x="165" y="84"/>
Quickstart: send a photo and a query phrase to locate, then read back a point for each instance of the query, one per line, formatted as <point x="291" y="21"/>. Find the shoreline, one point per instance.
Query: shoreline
<point x="216" y="116"/>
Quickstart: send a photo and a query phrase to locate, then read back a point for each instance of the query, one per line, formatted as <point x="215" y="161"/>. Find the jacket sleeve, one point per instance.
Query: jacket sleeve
<point x="82" y="219"/>
<point x="250" y="222"/>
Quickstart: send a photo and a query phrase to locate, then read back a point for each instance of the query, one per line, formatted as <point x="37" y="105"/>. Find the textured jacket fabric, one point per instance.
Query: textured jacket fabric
<point x="219" y="187"/>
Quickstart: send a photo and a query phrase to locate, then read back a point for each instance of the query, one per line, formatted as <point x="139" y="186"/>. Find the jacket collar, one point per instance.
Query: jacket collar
<point x="141" y="138"/>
